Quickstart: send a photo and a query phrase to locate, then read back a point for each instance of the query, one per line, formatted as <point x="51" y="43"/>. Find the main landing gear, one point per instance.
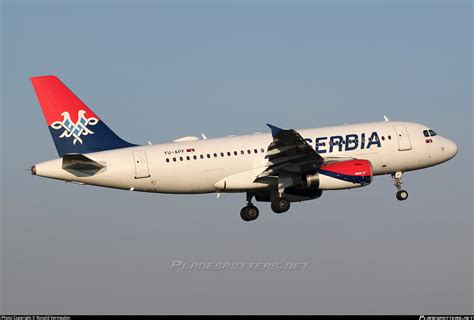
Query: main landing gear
<point x="280" y="205"/>
<point x="401" y="194"/>
<point x="249" y="212"/>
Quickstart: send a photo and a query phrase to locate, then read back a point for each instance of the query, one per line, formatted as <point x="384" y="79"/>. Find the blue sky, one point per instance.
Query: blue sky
<point x="159" y="70"/>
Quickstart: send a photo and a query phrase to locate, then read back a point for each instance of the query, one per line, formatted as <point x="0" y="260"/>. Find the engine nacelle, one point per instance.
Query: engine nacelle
<point x="340" y="175"/>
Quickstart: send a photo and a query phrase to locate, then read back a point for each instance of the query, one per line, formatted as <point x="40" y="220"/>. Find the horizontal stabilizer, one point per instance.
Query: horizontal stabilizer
<point x="80" y="165"/>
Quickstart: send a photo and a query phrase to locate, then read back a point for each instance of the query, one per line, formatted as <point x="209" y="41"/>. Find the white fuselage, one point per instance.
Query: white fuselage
<point x="231" y="164"/>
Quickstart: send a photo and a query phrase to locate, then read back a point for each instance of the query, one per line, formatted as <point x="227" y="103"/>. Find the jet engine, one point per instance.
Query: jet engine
<point x="342" y="175"/>
<point x="338" y="175"/>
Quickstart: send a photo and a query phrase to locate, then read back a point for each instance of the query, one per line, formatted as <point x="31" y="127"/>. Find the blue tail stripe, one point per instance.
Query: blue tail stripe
<point x="101" y="139"/>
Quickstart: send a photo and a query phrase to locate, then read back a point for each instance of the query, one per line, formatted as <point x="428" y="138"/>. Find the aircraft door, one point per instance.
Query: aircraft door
<point x="141" y="164"/>
<point x="403" y="137"/>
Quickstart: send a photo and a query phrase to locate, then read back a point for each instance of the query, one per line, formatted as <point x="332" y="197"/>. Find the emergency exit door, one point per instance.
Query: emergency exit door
<point x="403" y="137"/>
<point x="141" y="164"/>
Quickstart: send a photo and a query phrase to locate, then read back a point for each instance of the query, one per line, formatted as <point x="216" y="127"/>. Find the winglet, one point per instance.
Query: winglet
<point x="275" y="130"/>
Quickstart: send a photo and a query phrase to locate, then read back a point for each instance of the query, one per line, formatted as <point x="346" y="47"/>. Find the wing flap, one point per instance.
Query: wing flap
<point x="289" y="152"/>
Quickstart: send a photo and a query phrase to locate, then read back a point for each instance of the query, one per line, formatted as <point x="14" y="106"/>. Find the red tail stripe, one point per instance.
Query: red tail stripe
<point x="56" y="98"/>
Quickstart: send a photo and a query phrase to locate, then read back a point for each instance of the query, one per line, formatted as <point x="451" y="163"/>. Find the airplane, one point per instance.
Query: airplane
<point x="279" y="167"/>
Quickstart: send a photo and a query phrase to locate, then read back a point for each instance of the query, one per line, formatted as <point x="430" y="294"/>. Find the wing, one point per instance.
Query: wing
<point x="289" y="152"/>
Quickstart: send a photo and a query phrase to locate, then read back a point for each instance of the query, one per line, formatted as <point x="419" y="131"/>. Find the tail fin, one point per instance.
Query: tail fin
<point x="74" y="127"/>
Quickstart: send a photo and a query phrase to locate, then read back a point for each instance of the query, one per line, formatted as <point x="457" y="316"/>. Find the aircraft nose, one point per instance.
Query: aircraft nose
<point x="451" y="148"/>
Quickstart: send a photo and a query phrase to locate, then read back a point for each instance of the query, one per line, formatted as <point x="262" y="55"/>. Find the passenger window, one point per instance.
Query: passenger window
<point x="228" y="153"/>
<point x="249" y="152"/>
<point x="383" y="138"/>
<point x="235" y="153"/>
<point x="194" y="157"/>
<point x="389" y="137"/>
<point x="167" y="160"/>
<point x="242" y="152"/>
<point x="263" y="150"/>
<point x="425" y="133"/>
<point x="432" y="133"/>
<point x="255" y="150"/>
<point x="201" y="156"/>
<point x="180" y="158"/>
<point x="208" y="156"/>
<point x="174" y="159"/>
<point x="215" y="155"/>
<point x="188" y="158"/>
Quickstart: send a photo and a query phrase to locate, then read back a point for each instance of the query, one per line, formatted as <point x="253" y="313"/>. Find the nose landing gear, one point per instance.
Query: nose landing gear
<point x="401" y="194"/>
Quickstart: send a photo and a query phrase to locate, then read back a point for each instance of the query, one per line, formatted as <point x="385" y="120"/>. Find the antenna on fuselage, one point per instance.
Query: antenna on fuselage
<point x="385" y="118"/>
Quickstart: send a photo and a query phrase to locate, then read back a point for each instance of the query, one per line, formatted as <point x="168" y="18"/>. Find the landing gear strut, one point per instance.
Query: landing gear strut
<point x="401" y="194"/>
<point x="281" y="204"/>
<point x="249" y="212"/>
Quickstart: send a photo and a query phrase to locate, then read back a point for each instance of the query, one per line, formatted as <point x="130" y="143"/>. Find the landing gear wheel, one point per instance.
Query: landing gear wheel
<point x="397" y="178"/>
<point x="243" y="214"/>
<point x="249" y="213"/>
<point x="280" y="205"/>
<point x="402" y="195"/>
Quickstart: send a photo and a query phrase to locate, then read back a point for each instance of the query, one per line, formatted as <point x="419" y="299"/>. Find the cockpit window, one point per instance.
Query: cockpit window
<point x="432" y="133"/>
<point x="425" y="132"/>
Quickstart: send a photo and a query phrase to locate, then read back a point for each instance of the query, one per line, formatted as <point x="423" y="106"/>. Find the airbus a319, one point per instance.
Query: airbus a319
<point x="279" y="167"/>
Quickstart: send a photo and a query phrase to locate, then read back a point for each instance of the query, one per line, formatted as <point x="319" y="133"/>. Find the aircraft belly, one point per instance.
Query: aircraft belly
<point x="183" y="180"/>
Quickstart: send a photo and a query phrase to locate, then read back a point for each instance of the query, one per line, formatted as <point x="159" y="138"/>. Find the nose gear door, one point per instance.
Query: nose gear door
<point x="404" y="142"/>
